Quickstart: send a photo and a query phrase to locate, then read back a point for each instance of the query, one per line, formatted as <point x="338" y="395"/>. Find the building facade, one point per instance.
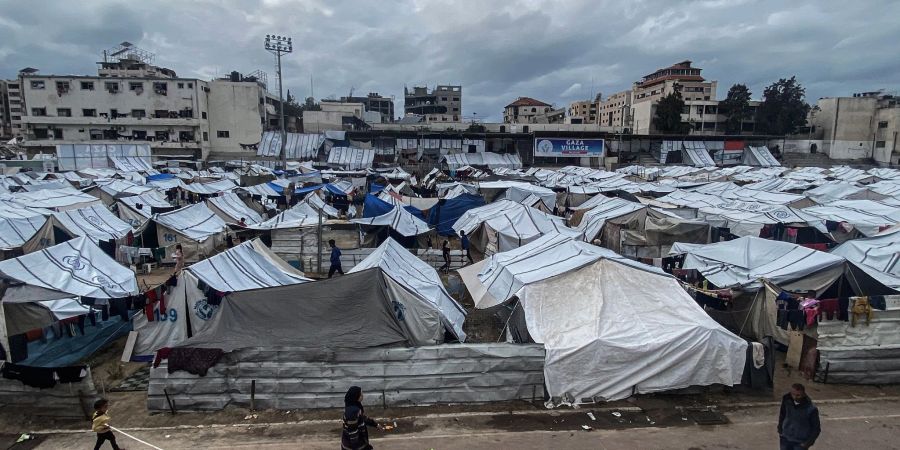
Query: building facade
<point x="375" y="103"/>
<point x="615" y="111"/>
<point x="5" y="128"/>
<point x="130" y="100"/>
<point x="442" y="104"/>
<point x="681" y="77"/>
<point x="865" y="125"/>
<point x="526" y="110"/>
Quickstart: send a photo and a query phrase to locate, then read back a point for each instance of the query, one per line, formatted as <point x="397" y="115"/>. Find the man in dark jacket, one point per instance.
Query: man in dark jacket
<point x="335" y="259"/>
<point x="798" y="421"/>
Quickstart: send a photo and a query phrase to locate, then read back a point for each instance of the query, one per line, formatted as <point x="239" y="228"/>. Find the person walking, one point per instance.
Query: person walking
<point x="335" y="259"/>
<point x="445" y="253"/>
<point x="355" y="432"/>
<point x="798" y="420"/>
<point x="464" y="243"/>
<point x="100" y="425"/>
<point x="179" y="258"/>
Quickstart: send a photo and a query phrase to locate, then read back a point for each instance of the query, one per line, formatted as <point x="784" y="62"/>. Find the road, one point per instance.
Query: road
<point x="846" y="425"/>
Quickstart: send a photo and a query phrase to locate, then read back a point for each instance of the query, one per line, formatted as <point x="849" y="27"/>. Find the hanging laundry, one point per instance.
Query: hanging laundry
<point x="828" y="308"/>
<point x="39" y="377"/>
<point x="194" y="360"/>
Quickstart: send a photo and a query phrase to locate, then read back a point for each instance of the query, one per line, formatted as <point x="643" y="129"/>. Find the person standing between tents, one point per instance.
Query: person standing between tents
<point x="100" y="425"/>
<point x="445" y="252"/>
<point x="335" y="259"/>
<point x="798" y="420"/>
<point x="464" y="242"/>
<point x="179" y="258"/>
<point x="355" y="432"/>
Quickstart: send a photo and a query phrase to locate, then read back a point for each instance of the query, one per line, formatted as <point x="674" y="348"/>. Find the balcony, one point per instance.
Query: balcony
<point x="120" y="121"/>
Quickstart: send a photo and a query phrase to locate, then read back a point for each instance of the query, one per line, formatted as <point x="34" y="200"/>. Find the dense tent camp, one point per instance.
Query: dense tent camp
<point x="878" y="256"/>
<point x="637" y="230"/>
<point x="374" y="207"/>
<point x="517" y="191"/>
<point x="435" y="306"/>
<point x="196" y="227"/>
<point x="210" y="188"/>
<point x="110" y="190"/>
<point x="43" y="287"/>
<point x="759" y="156"/>
<point x="611" y="327"/>
<point x="197" y="292"/>
<point x="300" y="215"/>
<point x="866" y="216"/>
<point x="137" y="209"/>
<point x="505" y="225"/>
<point x="231" y="208"/>
<point x="353" y="311"/>
<point x="398" y="220"/>
<point x="94" y="222"/>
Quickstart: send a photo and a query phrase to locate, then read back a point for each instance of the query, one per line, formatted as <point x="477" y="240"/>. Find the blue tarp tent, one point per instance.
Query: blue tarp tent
<point x="375" y="188"/>
<point x="446" y="212"/>
<point x="374" y="207"/>
<point x="334" y="190"/>
<point x="160" y="176"/>
<point x="309" y="189"/>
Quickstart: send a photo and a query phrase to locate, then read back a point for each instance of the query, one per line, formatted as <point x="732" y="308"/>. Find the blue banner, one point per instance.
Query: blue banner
<point x="562" y="147"/>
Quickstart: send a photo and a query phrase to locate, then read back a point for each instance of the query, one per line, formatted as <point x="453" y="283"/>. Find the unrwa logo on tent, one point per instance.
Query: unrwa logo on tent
<point x="204" y="310"/>
<point x="74" y="261"/>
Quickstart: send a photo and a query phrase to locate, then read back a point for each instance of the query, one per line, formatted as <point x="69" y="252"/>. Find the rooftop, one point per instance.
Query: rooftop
<point x="527" y="101"/>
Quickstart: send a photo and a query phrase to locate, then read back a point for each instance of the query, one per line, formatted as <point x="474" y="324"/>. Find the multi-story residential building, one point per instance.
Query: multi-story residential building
<point x="525" y="110"/>
<point x="615" y="111"/>
<point x="681" y="77"/>
<point x="865" y="125"/>
<point x="584" y="111"/>
<point x="5" y="129"/>
<point x="335" y="115"/>
<point x="442" y="104"/>
<point x="132" y="100"/>
<point x="375" y="103"/>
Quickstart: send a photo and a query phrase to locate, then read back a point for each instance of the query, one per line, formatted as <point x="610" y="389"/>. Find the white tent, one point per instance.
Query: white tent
<point x="759" y="156"/>
<point x="230" y="208"/>
<point x="196" y="227"/>
<point x="420" y="278"/>
<point x="94" y="222"/>
<point x="867" y="216"/>
<point x="878" y="256"/>
<point x="55" y="199"/>
<point x="137" y="209"/>
<point x="505" y="225"/>
<point x="18" y="225"/>
<point x="300" y="215"/>
<point x="350" y="158"/>
<point x="250" y="265"/>
<point x="399" y="220"/>
<point x="214" y="187"/>
<point x="611" y="327"/>
<point x="696" y="154"/>
<point x="516" y="191"/>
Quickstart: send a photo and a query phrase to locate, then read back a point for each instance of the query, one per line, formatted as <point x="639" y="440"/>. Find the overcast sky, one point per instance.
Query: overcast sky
<point x="557" y="52"/>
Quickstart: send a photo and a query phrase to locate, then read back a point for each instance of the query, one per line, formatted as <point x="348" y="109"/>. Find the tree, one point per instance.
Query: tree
<point x="668" y="115"/>
<point x="783" y="109"/>
<point x="736" y="107"/>
<point x="291" y="107"/>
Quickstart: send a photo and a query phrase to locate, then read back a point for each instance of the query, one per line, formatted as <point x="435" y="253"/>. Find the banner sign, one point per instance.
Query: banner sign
<point x="562" y="147"/>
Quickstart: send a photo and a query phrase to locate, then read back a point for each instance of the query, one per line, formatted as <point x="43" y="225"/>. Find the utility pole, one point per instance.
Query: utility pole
<point x="278" y="45"/>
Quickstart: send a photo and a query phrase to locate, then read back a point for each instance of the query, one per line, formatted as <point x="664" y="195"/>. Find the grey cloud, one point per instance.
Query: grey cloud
<point x="496" y="50"/>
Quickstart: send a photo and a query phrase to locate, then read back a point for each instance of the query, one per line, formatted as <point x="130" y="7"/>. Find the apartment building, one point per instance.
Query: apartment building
<point x="441" y="104"/>
<point x="615" y="111"/>
<point x="526" y="110"/>
<point x="681" y="77"/>
<point x="585" y="111"/>
<point x="5" y="128"/>
<point x="865" y="125"/>
<point x="132" y="100"/>
<point x="375" y="103"/>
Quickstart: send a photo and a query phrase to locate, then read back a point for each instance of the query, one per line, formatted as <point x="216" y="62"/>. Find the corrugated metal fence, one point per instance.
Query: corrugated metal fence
<point x="302" y="378"/>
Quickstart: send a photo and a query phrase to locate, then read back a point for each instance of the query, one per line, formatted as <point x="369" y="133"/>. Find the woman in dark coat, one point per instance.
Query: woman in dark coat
<point x="355" y="434"/>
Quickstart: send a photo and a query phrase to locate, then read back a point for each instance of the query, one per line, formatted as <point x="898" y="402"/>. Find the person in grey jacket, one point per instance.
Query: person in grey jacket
<point x="798" y="421"/>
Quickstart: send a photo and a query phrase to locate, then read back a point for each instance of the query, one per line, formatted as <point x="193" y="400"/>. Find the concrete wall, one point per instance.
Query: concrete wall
<point x="234" y="107"/>
<point x="296" y="378"/>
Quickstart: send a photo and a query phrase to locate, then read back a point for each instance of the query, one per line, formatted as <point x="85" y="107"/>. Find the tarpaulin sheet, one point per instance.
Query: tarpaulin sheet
<point x="398" y="219"/>
<point x="878" y="256"/>
<point x="250" y="265"/>
<point x="210" y="188"/>
<point x="447" y="211"/>
<point x="18" y="225"/>
<point x="419" y="277"/>
<point x="55" y="199"/>
<point x="297" y="145"/>
<point x="374" y="206"/>
<point x="350" y="158"/>
<point x="196" y="222"/>
<point x="760" y="156"/>
<point x="76" y="267"/>
<point x="300" y="215"/>
<point x="95" y="222"/>
<point x="230" y="208"/>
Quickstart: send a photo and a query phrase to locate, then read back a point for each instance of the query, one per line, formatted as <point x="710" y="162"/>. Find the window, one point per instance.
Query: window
<point x="455" y="109"/>
<point x="37" y="84"/>
<point x="443" y="99"/>
<point x="139" y="135"/>
<point x="533" y="109"/>
<point x="161" y="87"/>
<point x="879" y="144"/>
<point x="135" y="86"/>
<point x="87" y="85"/>
<point x="38" y="112"/>
<point x="190" y="85"/>
<point x="112" y="87"/>
<point x="64" y="112"/>
<point x="62" y="86"/>
<point x="161" y="113"/>
<point x="113" y="113"/>
<point x="180" y="85"/>
<point x="40" y="133"/>
<point x="162" y="135"/>
<point x="138" y="113"/>
<point x="222" y="134"/>
<point x="89" y="112"/>
<point x="205" y="136"/>
<point x="96" y="135"/>
<point x="203" y="114"/>
<point x="882" y="124"/>
<point x="700" y="110"/>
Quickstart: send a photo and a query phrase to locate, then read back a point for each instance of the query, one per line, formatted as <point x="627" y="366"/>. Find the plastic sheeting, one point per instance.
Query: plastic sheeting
<point x="867" y="216"/>
<point x="75" y="267"/>
<point x="131" y="163"/>
<point x="743" y="262"/>
<point x="230" y="208"/>
<point x="300" y="215"/>
<point x="759" y="156"/>
<point x="214" y="187"/>
<point x="129" y="211"/>
<point x="398" y="219"/>
<point x="419" y="277"/>
<point x="349" y="158"/>
<point x="55" y="199"/>
<point x="878" y="256"/>
<point x="196" y="222"/>
<point x="447" y="211"/>
<point x="510" y="224"/>
<point x="18" y="225"/>
<point x="94" y="222"/>
<point x="488" y="159"/>
<point x="696" y="154"/>
<point x="297" y="145"/>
